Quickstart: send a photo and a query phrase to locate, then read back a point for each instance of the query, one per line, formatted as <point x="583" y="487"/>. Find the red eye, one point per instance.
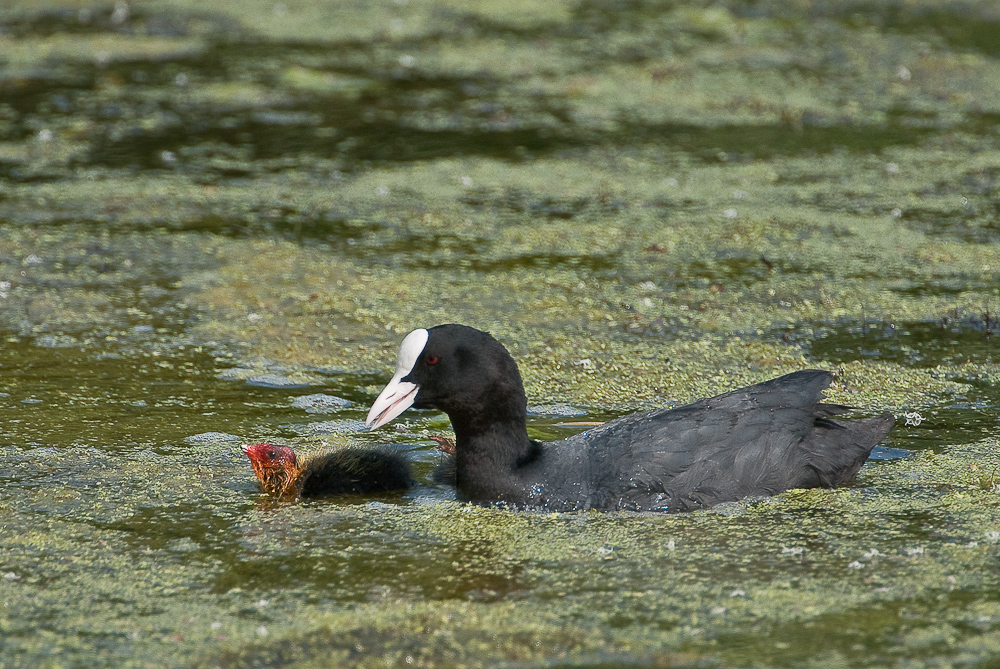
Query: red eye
<point x="431" y="360"/>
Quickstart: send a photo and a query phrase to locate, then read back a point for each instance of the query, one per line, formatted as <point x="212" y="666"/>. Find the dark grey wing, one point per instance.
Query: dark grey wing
<point x="757" y="440"/>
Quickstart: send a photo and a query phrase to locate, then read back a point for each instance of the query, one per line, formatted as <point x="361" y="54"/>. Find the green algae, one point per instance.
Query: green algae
<point x="449" y="584"/>
<point x="646" y="202"/>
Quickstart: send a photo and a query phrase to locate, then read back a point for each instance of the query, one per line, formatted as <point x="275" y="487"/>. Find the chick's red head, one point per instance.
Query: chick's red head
<point x="269" y="454"/>
<point x="275" y="468"/>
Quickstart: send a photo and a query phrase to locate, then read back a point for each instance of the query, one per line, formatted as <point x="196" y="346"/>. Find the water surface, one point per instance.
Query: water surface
<point x="208" y="214"/>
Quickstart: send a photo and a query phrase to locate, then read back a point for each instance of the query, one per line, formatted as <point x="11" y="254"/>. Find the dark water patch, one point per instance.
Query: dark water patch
<point x="358" y="143"/>
<point x="365" y="119"/>
<point x="965" y="418"/>
<point x="59" y="22"/>
<point x="54" y="91"/>
<point x="153" y="122"/>
<point x="916" y="525"/>
<point x="373" y="111"/>
<point x="595" y="19"/>
<point x="919" y="344"/>
<point x="729" y="269"/>
<point x="745" y="143"/>
<point x="888" y="453"/>
<point x="925" y="629"/>
<point x="16" y="172"/>
<point x="524" y="202"/>
<point x="390" y="244"/>
<point x="970" y="216"/>
<point x="975" y="227"/>
<point x="945" y="287"/>
<point x="154" y="395"/>
<point x="345" y="231"/>
<point x="966" y="209"/>
<point x="983" y="122"/>
<point x="744" y="270"/>
<point x="963" y="25"/>
<point x="599" y="266"/>
<point x="984" y="181"/>
<point x="553" y="428"/>
<point x="121" y="18"/>
<point x="387" y="120"/>
<point x="937" y="427"/>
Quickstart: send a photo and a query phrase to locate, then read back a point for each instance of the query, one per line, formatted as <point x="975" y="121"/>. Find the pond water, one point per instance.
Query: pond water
<point x="125" y="490"/>
<point x="217" y="224"/>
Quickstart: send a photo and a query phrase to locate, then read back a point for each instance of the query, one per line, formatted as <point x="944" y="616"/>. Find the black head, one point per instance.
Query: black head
<point x="454" y="368"/>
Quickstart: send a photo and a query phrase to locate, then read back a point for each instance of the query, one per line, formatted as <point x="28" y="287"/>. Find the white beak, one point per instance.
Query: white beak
<point x="394" y="399"/>
<point x="398" y="395"/>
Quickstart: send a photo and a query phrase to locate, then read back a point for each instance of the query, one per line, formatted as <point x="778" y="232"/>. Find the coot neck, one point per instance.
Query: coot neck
<point x="490" y="449"/>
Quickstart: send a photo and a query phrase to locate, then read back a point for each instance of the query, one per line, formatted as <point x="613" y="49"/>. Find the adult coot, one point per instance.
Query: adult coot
<point x="758" y="440"/>
<point x="346" y="471"/>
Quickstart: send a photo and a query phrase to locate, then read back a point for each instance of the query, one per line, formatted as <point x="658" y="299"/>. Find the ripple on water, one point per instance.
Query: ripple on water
<point x="320" y="403"/>
<point x="213" y="438"/>
<point x="555" y="411"/>
<point x="274" y="381"/>
<point x="328" y="427"/>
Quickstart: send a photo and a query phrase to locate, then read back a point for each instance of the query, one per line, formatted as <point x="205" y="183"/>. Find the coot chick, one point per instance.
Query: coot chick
<point x="758" y="440"/>
<point x="346" y="471"/>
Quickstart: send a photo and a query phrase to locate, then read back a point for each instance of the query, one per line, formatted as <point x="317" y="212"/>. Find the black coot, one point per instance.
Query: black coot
<point x="758" y="440"/>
